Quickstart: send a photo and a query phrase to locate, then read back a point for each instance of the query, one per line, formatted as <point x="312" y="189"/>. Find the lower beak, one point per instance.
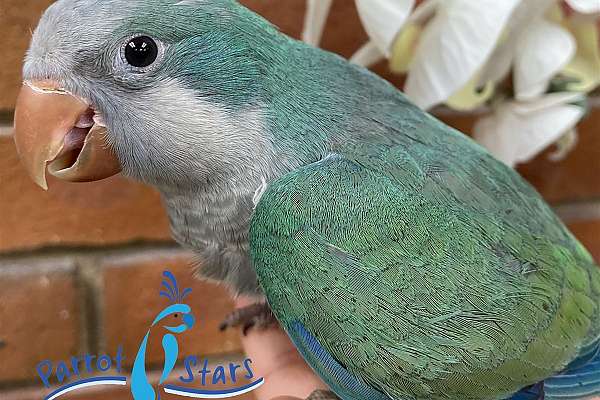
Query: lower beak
<point x="55" y="129"/>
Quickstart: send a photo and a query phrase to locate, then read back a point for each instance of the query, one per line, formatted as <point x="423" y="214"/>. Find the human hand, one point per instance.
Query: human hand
<point x="274" y="357"/>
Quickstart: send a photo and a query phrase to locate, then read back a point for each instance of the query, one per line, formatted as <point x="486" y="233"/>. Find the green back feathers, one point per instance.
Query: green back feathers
<point x="418" y="299"/>
<point x="425" y="266"/>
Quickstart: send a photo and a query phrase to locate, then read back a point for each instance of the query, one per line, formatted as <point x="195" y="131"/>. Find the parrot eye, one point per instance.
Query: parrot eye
<point x="141" y="51"/>
<point x="176" y="315"/>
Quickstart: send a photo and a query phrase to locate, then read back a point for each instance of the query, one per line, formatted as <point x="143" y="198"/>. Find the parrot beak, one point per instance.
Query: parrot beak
<point x="55" y="129"/>
<point x="189" y="320"/>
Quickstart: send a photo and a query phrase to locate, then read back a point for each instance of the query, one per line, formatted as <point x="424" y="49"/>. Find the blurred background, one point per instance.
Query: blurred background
<point x="80" y="265"/>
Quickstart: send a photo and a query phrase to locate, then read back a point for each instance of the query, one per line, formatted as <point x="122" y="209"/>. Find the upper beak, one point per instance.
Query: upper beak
<point x="56" y="128"/>
<point x="189" y="320"/>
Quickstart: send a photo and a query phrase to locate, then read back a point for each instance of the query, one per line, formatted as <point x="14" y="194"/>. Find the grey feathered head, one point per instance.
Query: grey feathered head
<point x="156" y="88"/>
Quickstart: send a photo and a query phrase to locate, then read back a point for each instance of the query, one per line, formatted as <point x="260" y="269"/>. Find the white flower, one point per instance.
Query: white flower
<point x="516" y="131"/>
<point x="542" y="51"/>
<point x="382" y="19"/>
<point x="584" y="68"/>
<point x="535" y="48"/>
<point x="539" y="47"/>
<point x="462" y="52"/>
<point x="314" y="20"/>
<point x="585" y="6"/>
<point x="454" y="46"/>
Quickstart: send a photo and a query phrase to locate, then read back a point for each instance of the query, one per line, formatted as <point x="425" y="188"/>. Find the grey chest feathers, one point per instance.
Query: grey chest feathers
<point x="216" y="229"/>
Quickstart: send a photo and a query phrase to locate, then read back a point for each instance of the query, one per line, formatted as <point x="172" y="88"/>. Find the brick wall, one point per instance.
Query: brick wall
<point x="80" y="264"/>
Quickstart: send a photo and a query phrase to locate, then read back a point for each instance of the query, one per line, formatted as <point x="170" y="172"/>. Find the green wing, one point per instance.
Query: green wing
<point x="422" y="286"/>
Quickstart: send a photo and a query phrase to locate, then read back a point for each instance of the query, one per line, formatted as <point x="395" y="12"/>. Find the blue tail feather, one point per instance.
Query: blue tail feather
<point x="580" y="380"/>
<point x="342" y="382"/>
<point x="588" y="355"/>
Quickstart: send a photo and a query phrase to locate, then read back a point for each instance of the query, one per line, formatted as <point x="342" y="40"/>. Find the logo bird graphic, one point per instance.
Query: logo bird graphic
<point x="173" y="320"/>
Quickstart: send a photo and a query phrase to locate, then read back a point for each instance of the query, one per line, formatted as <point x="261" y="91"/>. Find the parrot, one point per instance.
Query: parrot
<point x="402" y="259"/>
<point x="175" y="319"/>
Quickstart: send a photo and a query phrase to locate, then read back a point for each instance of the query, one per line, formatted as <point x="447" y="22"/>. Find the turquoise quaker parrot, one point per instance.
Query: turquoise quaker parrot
<point x="402" y="259"/>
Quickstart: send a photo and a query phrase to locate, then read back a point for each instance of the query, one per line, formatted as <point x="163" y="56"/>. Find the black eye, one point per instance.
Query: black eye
<point x="176" y="315"/>
<point x="141" y="51"/>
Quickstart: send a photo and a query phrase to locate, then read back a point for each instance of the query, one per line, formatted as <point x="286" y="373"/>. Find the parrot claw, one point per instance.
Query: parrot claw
<point x="322" y="395"/>
<point x="257" y="316"/>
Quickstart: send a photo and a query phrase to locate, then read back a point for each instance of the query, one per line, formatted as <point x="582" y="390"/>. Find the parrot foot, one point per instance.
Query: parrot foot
<point x="258" y="316"/>
<point x="322" y="395"/>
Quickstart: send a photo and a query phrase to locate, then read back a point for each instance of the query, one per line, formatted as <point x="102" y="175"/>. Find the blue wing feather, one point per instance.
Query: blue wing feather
<point x="529" y="393"/>
<point x="341" y="381"/>
<point x="580" y="380"/>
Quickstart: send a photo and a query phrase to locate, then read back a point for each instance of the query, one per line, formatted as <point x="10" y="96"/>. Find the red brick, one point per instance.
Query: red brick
<point x="131" y="302"/>
<point x="17" y="19"/>
<point x="39" y="316"/>
<point x="287" y="16"/>
<point x="113" y="211"/>
<point x="575" y="178"/>
<point x="588" y="232"/>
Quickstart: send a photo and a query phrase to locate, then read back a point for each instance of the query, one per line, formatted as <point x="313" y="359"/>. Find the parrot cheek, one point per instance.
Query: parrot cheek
<point x="56" y="130"/>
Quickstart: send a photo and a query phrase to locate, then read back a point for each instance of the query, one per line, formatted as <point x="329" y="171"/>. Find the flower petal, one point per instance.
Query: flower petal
<point x="471" y="96"/>
<point x="499" y="64"/>
<point x="585" y="66"/>
<point x="367" y="55"/>
<point x="383" y="19"/>
<point x="541" y="52"/>
<point x="490" y="132"/>
<point x="514" y="136"/>
<point x="547" y="101"/>
<point x="454" y="46"/>
<point x="404" y="48"/>
<point x="405" y="45"/>
<point x="585" y="6"/>
<point x="424" y="11"/>
<point x="316" y="15"/>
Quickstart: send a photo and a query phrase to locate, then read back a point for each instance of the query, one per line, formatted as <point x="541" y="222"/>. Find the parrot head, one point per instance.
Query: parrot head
<point x="152" y="88"/>
<point x="176" y="318"/>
